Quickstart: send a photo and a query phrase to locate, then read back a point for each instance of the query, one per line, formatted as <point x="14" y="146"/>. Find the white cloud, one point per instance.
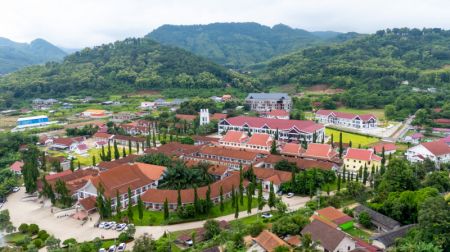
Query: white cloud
<point x="78" y="23"/>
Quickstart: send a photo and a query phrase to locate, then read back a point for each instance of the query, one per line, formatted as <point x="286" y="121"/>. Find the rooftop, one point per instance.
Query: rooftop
<point x="267" y="96"/>
<point x="438" y="148"/>
<point x="269" y="241"/>
<point x="270" y="123"/>
<point x="361" y="154"/>
<point x="328" y="236"/>
<point x="378" y="217"/>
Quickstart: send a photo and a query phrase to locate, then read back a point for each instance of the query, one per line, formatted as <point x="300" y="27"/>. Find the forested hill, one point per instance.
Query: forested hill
<point x="118" y="67"/>
<point x="14" y="56"/>
<point x="237" y="45"/>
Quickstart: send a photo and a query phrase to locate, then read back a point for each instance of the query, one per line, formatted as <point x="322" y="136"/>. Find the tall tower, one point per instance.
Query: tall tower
<point x="204" y="116"/>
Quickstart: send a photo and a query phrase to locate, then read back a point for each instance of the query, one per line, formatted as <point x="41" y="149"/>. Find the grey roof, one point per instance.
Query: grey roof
<point x="378" y="217"/>
<point x="328" y="236"/>
<point x="267" y="96"/>
<point x="388" y="239"/>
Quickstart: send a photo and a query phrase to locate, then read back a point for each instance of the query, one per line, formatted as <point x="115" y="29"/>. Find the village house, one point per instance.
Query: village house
<point x="16" y="167"/>
<point x="389" y="148"/>
<point x="233" y="138"/>
<point x="382" y="222"/>
<point x="63" y="143"/>
<point x="415" y="138"/>
<point x="264" y="102"/>
<point x="43" y="104"/>
<point x="291" y="150"/>
<point x="139" y="177"/>
<point x="268" y="176"/>
<point x="437" y="151"/>
<point x="276" y="114"/>
<point x="81" y="149"/>
<point x="107" y="165"/>
<point x="386" y="240"/>
<point x="266" y="241"/>
<point x="122" y="117"/>
<point x="139" y="127"/>
<point x="295" y="130"/>
<point x="257" y="142"/>
<point x="367" y="121"/>
<point x="328" y="237"/>
<point x="154" y="198"/>
<point x="74" y="180"/>
<point x="331" y="214"/>
<point x="355" y="159"/>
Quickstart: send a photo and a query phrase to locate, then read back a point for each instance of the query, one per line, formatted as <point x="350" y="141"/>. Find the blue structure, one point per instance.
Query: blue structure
<point x="32" y="121"/>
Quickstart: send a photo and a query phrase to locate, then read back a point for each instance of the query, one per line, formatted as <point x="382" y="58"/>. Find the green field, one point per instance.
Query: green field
<point x="86" y="160"/>
<point x="356" y="139"/>
<point x="356" y="232"/>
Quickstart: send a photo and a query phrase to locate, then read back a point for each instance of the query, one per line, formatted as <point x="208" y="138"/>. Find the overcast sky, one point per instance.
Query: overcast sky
<point x="80" y="23"/>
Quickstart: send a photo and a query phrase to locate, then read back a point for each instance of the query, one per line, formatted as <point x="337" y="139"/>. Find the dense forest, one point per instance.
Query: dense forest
<point x="14" y="56"/>
<point x="373" y="68"/>
<point x="237" y="45"/>
<point x="123" y="66"/>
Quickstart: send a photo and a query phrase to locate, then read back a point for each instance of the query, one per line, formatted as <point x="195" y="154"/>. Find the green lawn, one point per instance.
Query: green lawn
<point x="86" y="160"/>
<point x="355" y="138"/>
<point x="15" y="237"/>
<point x="154" y="218"/>
<point x="356" y="232"/>
<point x="376" y="112"/>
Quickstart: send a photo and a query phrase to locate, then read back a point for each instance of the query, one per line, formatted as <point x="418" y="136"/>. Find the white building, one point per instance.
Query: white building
<point x="264" y="102"/>
<point x="437" y="151"/>
<point x="366" y="121"/>
<point x="204" y="116"/>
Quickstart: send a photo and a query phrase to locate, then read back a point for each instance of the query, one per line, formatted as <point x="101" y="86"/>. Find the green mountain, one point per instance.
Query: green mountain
<point x="14" y="56"/>
<point x="237" y="45"/>
<point x="119" y="67"/>
<point x="372" y="67"/>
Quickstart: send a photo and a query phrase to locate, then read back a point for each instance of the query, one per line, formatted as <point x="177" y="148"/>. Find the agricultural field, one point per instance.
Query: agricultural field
<point x="356" y="139"/>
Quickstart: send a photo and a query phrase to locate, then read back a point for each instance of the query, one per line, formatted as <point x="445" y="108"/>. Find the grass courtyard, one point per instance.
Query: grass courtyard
<point x="356" y="139"/>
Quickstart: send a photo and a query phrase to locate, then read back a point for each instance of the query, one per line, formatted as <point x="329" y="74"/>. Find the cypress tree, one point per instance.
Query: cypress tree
<point x="154" y="139"/>
<point x="236" y="209"/>
<point x="222" y="207"/>
<point x="196" y="202"/>
<point x="272" y="198"/>
<point x="341" y="147"/>
<point x="118" y="206"/>
<point x="140" y="206"/>
<point x="79" y="164"/>
<point x="233" y="196"/>
<point x="273" y="148"/>
<point x="148" y="140"/>
<point x="260" y="197"/>
<point x="179" y="202"/>
<point x="72" y="165"/>
<point x="129" y="147"/>
<point x="94" y="161"/>
<point x="332" y="140"/>
<point x="44" y="162"/>
<point x="350" y="143"/>
<point x="130" y="209"/>
<point x="276" y="135"/>
<point x="103" y="155"/>
<point x="137" y="147"/>
<point x="241" y="185"/>
<point x="108" y="155"/>
<point x="209" y="203"/>
<point x="124" y="152"/>
<point x="344" y="173"/>
<point x="249" y="202"/>
<point x="365" y="175"/>
<point x="166" y="210"/>
<point x="116" y="151"/>
<point x="360" y="172"/>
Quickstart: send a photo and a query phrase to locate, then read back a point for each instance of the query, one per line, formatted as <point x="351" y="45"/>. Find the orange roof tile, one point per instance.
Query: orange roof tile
<point x="291" y="149"/>
<point x="320" y="151"/>
<point x="260" y="140"/>
<point x="361" y="154"/>
<point x="234" y="136"/>
<point x="269" y="241"/>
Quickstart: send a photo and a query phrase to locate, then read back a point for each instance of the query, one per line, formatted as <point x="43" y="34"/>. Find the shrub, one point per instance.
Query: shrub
<point x="33" y="229"/>
<point x="70" y="241"/>
<point x="123" y="237"/>
<point x="212" y="228"/>
<point x="23" y="228"/>
<point x="364" y="219"/>
<point x="38" y="243"/>
<point x="256" y="228"/>
<point x="43" y="235"/>
<point x="24" y="241"/>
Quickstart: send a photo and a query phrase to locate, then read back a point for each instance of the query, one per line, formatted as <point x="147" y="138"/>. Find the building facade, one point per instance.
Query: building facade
<point x="265" y="102"/>
<point x="349" y="120"/>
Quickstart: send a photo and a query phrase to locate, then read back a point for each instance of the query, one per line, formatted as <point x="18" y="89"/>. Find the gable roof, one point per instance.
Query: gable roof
<point x="231" y="153"/>
<point x="388" y="239"/>
<point x="438" y="148"/>
<point x="269" y="241"/>
<point x="281" y="124"/>
<point x="333" y="215"/>
<point x="175" y="149"/>
<point x="103" y="135"/>
<point x="378" y="217"/>
<point x="345" y="115"/>
<point x="275" y="176"/>
<point x="267" y="96"/>
<point x="260" y="139"/>
<point x="291" y="149"/>
<point x="234" y="136"/>
<point x="387" y="147"/>
<point x="329" y="237"/>
<point x="88" y="203"/>
<point x="320" y="151"/>
<point x="361" y="154"/>
<point x="105" y="165"/>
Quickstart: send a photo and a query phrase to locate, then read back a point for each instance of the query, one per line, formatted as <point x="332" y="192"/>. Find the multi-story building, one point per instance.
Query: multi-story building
<point x="358" y="158"/>
<point x="265" y="102"/>
<point x="222" y="156"/>
<point x="258" y="142"/>
<point x="292" y="130"/>
<point x="437" y="151"/>
<point x="350" y="120"/>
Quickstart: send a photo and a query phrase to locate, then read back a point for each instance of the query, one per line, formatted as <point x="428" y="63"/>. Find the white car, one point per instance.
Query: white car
<point x="102" y="224"/>
<point x="121" y="226"/>
<point x="102" y="250"/>
<point x="290" y="195"/>
<point x="121" y="247"/>
<point x="16" y="189"/>
<point x="266" y="215"/>
<point x="107" y="225"/>
<point x="189" y="242"/>
<point x="112" y="248"/>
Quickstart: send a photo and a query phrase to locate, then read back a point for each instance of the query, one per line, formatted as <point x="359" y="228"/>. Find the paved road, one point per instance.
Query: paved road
<point x="401" y="132"/>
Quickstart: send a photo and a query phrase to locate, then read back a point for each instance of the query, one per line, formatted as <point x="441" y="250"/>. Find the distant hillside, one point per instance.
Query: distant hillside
<point x="237" y="45"/>
<point x="14" y="56"/>
<point x="119" y="67"/>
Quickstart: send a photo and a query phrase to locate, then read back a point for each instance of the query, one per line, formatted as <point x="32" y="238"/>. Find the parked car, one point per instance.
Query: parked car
<point x="112" y="248"/>
<point x="102" y="224"/>
<point x="107" y="225"/>
<point x="266" y="215"/>
<point x="121" y="247"/>
<point x="16" y="189"/>
<point x="121" y="226"/>
<point x="290" y="195"/>
<point x="279" y="193"/>
<point x="189" y="242"/>
<point x="102" y="250"/>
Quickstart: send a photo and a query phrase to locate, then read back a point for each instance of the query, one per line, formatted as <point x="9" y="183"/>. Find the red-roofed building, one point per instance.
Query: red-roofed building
<point x="66" y="143"/>
<point x="320" y="151"/>
<point x="267" y="241"/>
<point x="437" y="151"/>
<point x="276" y="114"/>
<point x="350" y="120"/>
<point x="16" y="167"/>
<point x="389" y="148"/>
<point x="291" y="149"/>
<point x="355" y="159"/>
<point x="271" y="160"/>
<point x="188" y="118"/>
<point x="287" y="129"/>
<point x="442" y="121"/>
<point x="139" y="127"/>
<point x="267" y="176"/>
<point x="231" y="158"/>
<point x="81" y="149"/>
<point x="259" y="142"/>
<point x="335" y="216"/>
<point x="233" y="139"/>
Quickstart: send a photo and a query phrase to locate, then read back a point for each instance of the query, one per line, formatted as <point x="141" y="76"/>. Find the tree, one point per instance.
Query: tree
<point x="341" y="147"/>
<point x="249" y="201"/>
<point x="130" y="204"/>
<point x="222" y="206"/>
<point x="193" y="238"/>
<point x="30" y="171"/>
<point x="140" y="207"/>
<point x="108" y="154"/>
<point x="365" y="175"/>
<point x="166" y="210"/>
<point x="308" y="245"/>
<point x="439" y="180"/>
<point x="63" y="192"/>
<point x="196" y="202"/>
<point x="236" y="209"/>
<point x="72" y="165"/>
<point x="47" y="190"/>
<point x="124" y="153"/>
<point x="273" y="148"/>
<point x="100" y="201"/>
<point x="398" y="177"/>
<point x="137" y="147"/>
<point x="282" y="248"/>
<point x="364" y="219"/>
<point x="52" y="243"/>
<point x="212" y="229"/>
<point x="233" y="197"/>
<point x="144" y="244"/>
<point x="118" y="205"/>
<point x="116" y="151"/>
<point x="260" y="197"/>
<point x="44" y="161"/>
<point x="339" y="183"/>
<point x="332" y="140"/>
<point x="94" y="162"/>
<point x="272" y="198"/>
<point x="434" y="222"/>
<point x="285" y="165"/>
<point x="208" y="202"/>
<point x="241" y="186"/>
<point x="179" y="202"/>
<point x="130" y="151"/>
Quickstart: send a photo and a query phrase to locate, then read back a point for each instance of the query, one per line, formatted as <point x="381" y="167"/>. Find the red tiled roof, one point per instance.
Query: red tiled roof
<point x="57" y="175"/>
<point x="258" y="122"/>
<point x="102" y="135"/>
<point x="16" y="166"/>
<point x="278" y="112"/>
<point x="269" y="241"/>
<point x="233" y="136"/>
<point x="63" y="141"/>
<point x="332" y="214"/>
<point x="88" y="203"/>
<point x="344" y="115"/>
<point x="185" y="117"/>
<point x="175" y="149"/>
<point x="366" y="246"/>
<point x="291" y="149"/>
<point x="387" y="147"/>
<point x="442" y="121"/>
<point x="106" y="165"/>
<point x="294" y="240"/>
<point x="438" y="148"/>
<point x="82" y="147"/>
<point x="218" y="116"/>
<point x="361" y="154"/>
<point x="301" y="163"/>
<point x="231" y="153"/>
<point x="275" y="176"/>
<point x="260" y="139"/>
<point x="126" y="176"/>
<point x="187" y="195"/>
<point x="320" y="151"/>
<point x="74" y="180"/>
